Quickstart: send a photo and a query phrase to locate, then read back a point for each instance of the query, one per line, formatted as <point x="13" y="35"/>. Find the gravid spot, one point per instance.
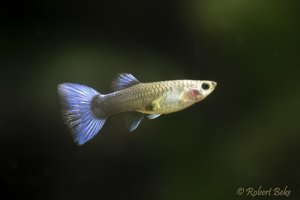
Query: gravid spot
<point x="149" y="107"/>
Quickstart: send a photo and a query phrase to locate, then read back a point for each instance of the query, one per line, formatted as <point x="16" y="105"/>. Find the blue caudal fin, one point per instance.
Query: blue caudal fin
<point x="77" y="111"/>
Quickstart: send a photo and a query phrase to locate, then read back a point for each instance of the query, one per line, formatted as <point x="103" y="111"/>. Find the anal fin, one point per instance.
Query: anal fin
<point x="133" y="119"/>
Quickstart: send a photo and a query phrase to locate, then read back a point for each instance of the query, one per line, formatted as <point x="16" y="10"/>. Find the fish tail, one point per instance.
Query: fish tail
<point x="77" y="109"/>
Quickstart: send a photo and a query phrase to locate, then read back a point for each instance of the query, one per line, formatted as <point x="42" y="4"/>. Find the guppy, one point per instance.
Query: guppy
<point x="86" y="110"/>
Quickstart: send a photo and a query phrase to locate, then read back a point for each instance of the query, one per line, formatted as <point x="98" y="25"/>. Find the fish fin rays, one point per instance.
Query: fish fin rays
<point x="76" y="101"/>
<point x="123" y="81"/>
<point x="133" y="119"/>
<point x="153" y="116"/>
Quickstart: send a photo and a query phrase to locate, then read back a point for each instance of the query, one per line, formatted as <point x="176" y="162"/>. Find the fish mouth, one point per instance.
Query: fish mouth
<point x="214" y="83"/>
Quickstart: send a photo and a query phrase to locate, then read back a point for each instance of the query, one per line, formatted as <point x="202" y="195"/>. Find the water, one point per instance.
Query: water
<point x="245" y="134"/>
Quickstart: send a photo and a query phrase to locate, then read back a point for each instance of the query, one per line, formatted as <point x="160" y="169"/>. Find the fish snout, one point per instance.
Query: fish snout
<point x="214" y="84"/>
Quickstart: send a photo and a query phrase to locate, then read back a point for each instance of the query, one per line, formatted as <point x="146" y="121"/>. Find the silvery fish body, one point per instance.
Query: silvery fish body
<point x="85" y="110"/>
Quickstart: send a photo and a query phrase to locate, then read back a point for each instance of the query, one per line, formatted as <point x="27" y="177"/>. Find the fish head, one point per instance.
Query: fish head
<point x="198" y="90"/>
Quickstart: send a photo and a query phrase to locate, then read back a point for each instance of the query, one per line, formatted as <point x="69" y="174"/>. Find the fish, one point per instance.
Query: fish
<point x="85" y="110"/>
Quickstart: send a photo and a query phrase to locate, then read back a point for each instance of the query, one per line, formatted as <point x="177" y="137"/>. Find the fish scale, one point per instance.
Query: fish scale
<point x="86" y="110"/>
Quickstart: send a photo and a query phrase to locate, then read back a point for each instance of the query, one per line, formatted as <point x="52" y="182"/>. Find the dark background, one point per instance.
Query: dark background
<point x="245" y="134"/>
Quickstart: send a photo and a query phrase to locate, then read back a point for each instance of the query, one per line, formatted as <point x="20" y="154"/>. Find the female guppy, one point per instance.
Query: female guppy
<point x="86" y="110"/>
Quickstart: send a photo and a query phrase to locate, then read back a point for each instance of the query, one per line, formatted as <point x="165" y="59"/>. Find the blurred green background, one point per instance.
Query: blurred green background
<point x="245" y="134"/>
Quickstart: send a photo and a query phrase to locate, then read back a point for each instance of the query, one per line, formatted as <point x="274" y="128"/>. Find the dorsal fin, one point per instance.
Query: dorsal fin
<point x="123" y="81"/>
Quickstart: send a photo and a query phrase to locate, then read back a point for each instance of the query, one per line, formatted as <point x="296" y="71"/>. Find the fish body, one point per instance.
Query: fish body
<point x="85" y="110"/>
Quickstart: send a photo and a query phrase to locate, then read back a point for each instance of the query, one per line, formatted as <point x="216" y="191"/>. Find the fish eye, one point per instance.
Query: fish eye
<point x="205" y="86"/>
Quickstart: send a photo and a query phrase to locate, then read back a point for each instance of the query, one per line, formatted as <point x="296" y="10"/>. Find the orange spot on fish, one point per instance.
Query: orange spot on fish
<point x="194" y="93"/>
